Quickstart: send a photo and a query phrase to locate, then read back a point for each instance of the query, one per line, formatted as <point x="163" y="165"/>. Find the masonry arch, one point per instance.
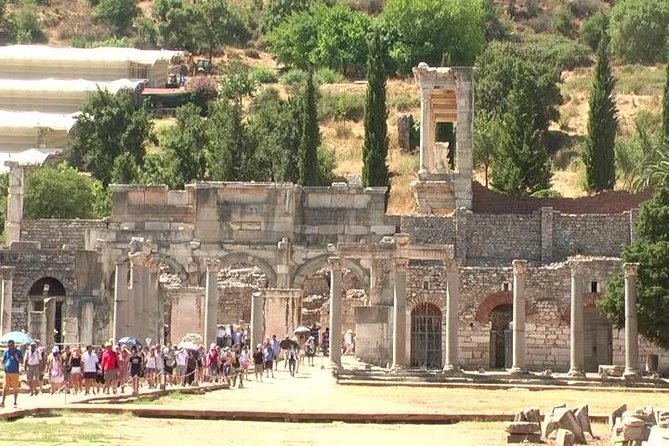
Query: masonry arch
<point x="426" y="321"/>
<point x="44" y="288"/>
<point x="238" y="258"/>
<point x="500" y="336"/>
<point x="311" y="266"/>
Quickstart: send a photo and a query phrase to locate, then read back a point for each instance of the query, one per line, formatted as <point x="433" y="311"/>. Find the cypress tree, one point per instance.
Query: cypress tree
<point x="599" y="151"/>
<point x="665" y="106"/>
<point x="520" y="166"/>
<point x="310" y="137"/>
<point x="375" y="148"/>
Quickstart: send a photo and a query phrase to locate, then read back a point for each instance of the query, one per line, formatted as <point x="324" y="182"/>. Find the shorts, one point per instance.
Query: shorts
<point x="11" y="382"/>
<point x="168" y="370"/>
<point x="213" y="370"/>
<point x="90" y="375"/>
<point x="181" y="370"/>
<point x="75" y="370"/>
<point x="258" y="368"/>
<point x="33" y="373"/>
<point x="111" y="374"/>
<point x="269" y="364"/>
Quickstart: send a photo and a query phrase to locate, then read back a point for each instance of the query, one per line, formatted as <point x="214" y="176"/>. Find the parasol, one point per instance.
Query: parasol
<point x="302" y="331"/>
<point x="19" y="338"/>
<point x="188" y="345"/>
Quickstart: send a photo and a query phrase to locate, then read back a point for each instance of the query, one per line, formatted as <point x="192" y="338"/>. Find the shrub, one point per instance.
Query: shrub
<point x="118" y="14"/>
<point x="341" y="106"/>
<point x="26" y="23"/>
<point x="583" y="8"/>
<point x="591" y="30"/>
<point x="264" y="75"/>
<point x="328" y="76"/>
<point x="343" y="131"/>
<point x="639" y="30"/>
<point x="84" y="42"/>
<point x="294" y="77"/>
<point x="252" y="53"/>
<point x="546" y="193"/>
<point x="553" y="50"/>
<point x="562" y="22"/>
<point x="404" y="102"/>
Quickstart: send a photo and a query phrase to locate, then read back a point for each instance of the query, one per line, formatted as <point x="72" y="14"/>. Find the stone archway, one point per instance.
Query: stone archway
<point x="426" y="336"/>
<point x="240" y="258"/>
<point x="500" y="336"/>
<point x="38" y="293"/>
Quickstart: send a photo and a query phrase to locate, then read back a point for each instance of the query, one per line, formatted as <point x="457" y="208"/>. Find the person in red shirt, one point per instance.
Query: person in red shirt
<point x="109" y="366"/>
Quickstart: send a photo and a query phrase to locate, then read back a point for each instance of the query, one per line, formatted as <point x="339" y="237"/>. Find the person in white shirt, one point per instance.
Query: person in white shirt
<point x="32" y="366"/>
<point x="90" y="363"/>
<point x="182" y="357"/>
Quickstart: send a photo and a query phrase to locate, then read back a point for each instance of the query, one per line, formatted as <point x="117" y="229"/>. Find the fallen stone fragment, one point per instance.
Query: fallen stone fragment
<point x="584" y="419"/>
<point x="564" y="438"/>
<point x="523" y="427"/>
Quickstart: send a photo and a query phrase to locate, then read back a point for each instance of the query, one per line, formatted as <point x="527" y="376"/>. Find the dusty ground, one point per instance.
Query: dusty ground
<point x="312" y="390"/>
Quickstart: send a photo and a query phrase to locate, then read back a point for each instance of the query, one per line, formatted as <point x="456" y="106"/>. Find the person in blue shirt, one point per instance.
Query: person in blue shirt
<point x="11" y="360"/>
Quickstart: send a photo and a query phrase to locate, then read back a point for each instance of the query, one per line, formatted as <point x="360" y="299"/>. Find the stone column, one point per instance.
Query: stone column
<point x="425" y="140"/>
<point x="139" y="304"/>
<point x="257" y="318"/>
<point x="399" y="314"/>
<point x="631" y="323"/>
<point x="211" y="301"/>
<point x="50" y="318"/>
<point x="6" y="303"/>
<point x="576" y="329"/>
<point x="14" y="203"/>
<point x="120" y="301"/>
<point x="155" y="314"/>
<point x="452" y="298"/>
<point x="87" y="314"/>
<point x="519" y="270"/>
<point x="335" y="310"/>
<point x="283" y="264"/>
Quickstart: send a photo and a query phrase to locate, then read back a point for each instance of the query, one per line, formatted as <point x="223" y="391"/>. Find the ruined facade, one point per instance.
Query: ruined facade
<point x="250" y="253"/>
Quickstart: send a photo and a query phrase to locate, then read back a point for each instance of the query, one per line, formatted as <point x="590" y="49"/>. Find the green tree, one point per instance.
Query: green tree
<point x="639" y="30"/>
<point x="125" y="169"/>
<point x="216" y="23"/>
<point x="108" y="126"/>
<point x="278" y="10"/>
<point x="322" y="36"/>
<point x="434" y="31"/>
<point x="520" y="165"/>
<point x="175" y="19"/>
<point x="25" y="23"/>
<point x="118" y="14"/>
<point x="60" y="192"/>
<point x="501" y="70"/>
<point x="185" y="144"/>
<point x="487" y="131"/>
<point x="310" y="141"/>
<point x="375" y="147"/>
<point x="231" y="150"/>
<point x="591" y="29"/>
<point x="651" y="251"/>
<point x="238" y="82"/>
<point x="599" y="149"/>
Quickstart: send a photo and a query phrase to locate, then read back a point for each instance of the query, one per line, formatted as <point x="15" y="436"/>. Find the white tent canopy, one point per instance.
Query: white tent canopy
<point x="27" y="157"/>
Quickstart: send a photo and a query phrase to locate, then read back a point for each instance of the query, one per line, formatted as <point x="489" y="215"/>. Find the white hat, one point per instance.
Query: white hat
<point x="55" y="349"/>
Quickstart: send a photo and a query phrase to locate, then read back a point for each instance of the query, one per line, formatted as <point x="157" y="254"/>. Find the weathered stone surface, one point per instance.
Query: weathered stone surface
<point x="523" y="438"/>
<point x="583" y="419"/>
<point x="564" y="418"/>
<point x="618" y="413"/>
<point x="523" y="427"/>
<point x="564" y="438"/>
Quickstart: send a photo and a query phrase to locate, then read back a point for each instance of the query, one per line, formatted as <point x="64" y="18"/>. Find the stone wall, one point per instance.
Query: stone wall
<point x="491" y="239"/>
<point x="429" y="229"/>
<point x="54" y="233"/>
<point x="187" y="312"/>
<point x="600" y="234"/>
<point x="234" y="304"/>
<point x="282" y="310"/>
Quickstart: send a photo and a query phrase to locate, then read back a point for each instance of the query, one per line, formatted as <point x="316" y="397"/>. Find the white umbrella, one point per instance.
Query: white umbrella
<point x="302" y="330"/>
<point x="188" y="345"/>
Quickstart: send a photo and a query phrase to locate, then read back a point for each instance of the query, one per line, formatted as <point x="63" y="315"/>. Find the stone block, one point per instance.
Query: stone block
<point x="523" y="427"/>
<point x="564" y="438"/>
<point x="383" y="229"/>
<point x="523" y="438"/>
<point x="583" y="419"/>
<point x="316" y="200"/>
<point x="563" y="418"/>
<point x="156" y="226"/>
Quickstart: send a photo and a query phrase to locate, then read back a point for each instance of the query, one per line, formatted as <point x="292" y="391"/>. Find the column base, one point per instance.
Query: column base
<point x="576" y="373"/>
<point x="631" y="374"/>
<point x="397" y="369"/>
<point x="451" y="370"/>
<point x="517" y="371"/>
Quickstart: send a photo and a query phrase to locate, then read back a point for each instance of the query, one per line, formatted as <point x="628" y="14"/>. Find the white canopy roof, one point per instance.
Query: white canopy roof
<point x="63" y="85"/>
<point x="105" y="54"/>
<point x="30" y="156"/>
<point x="21" y="119"/>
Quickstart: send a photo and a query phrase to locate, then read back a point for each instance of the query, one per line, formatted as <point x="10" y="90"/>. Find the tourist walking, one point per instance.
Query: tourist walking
<point x="276" y="350"/>
<point x="291" y="357"/>
<point x="191" y="367"/>
<point x="181" y="360"/>
<point x="32" y="368"/>
<point x="54" y="369"/>
<point x="150" y="369"/>
<point x="268" y="358"/>
<point x="109" y="364"/>
<point x="136" y="363"/>
<point x="11" y="361"/>
<point x="258" y="362"/>
<point x="310" y="350"/>
<point x="90" y="364"/>
<point x="123" y="361"/>
<point x="75" y="369"/>
<point x="236" y="367"/>
<point x="325" y="341"/>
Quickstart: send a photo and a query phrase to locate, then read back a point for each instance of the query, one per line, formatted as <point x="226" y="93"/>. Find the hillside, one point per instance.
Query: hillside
<point x="638" y="91"/>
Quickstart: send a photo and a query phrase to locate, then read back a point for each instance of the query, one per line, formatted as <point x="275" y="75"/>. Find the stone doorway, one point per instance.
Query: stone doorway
<point x="598" y="340"/>
<point x="44" y="288"/>
<point x="500" y="336"/>
<point x="426" y="336"/>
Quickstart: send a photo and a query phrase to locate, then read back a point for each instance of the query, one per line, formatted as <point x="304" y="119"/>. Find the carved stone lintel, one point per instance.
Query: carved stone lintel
<point x="335" y="263"/>
<point x="519" y="266"/>
<point x="213" y="265"/>
<point x="631" y="269"/>
<point x="401" y="264"/>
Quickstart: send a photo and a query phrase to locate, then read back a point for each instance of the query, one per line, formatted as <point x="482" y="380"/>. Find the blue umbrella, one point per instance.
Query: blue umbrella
<point x="18" y="337"/>
<point x="131" y="341"/>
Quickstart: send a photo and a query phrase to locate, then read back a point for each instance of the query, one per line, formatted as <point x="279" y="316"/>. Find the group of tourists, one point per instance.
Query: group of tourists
<point x="113" y="367"/>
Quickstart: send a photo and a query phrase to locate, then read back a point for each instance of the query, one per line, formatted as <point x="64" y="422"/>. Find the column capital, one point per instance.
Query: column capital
<point x="425" y="93"/>
<point x="283" y="244"/>
<point x="576" y="268"/>
<point x="401" y="264"/>
<point x="213" y="265"/>
<point x="631" y="269"/>
<point x="7" y="272"/>
<point x="519" y="267"/>
<point x="335" y="263"/>
<point x="139" y="259"/>
<point x="451" y="265"/>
